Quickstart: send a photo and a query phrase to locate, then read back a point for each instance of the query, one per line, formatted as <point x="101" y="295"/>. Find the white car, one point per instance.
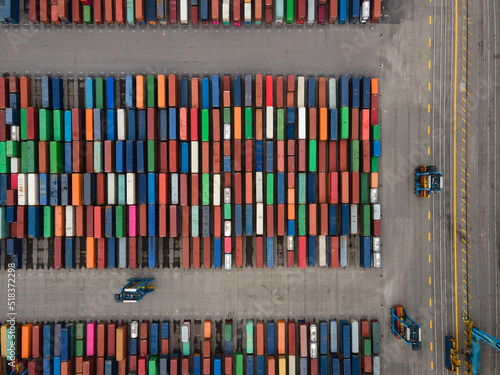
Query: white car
<point x="134" y="329"/>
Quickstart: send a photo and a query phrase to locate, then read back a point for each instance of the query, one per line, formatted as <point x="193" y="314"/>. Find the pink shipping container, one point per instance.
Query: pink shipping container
<point x="91" y="336"/>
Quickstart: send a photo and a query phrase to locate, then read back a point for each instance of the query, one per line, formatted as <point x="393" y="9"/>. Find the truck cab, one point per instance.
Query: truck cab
<point x="365" y="12"/>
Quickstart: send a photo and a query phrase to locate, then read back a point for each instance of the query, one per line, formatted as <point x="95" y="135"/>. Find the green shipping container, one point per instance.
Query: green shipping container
<point x="87" y="14"/>
<point x="227" y="115"/>
<point x="302" y="188"/>
<point x="249" y="336"/>
<point x="195" y="221"/>
<point x="151" y="97"/>
<point x="48" y="221"/>
<point x="302" y="220"/>
<point x="130" y="12"/>
<point x="280" y="131"/>
<point x="122" y="187"/>
<point x="80" y="330"/>
<point x="99" y="93"/>
<point x="24" y="157"/>
<point x="313" y="156"/>
<point x="365" y="219"/>
<point x="367" y="346"/>
<point x="227" y="211"/>
<point x="228" y="331"/>
<point x="185" y="349"/>
<point x="375" y="337"/>
<point x="12" y="341"/>
<point x="270" y="188"/>
<point x="72" y="337"/>
<point x="248" y="122"/>
<point x="364" y="193"/>
<point x="58" y="121"/>
<point x="205" y="189"/>
<point x="354" y="155"/>
<point x="120" y="221"/>
<point x="45" y="124"/>
<point x="11" y="149"/>
<point x="98" y="159"/>
<point x="374" y="164"/>
<point x="153" y="365"/>
<point x="344" y="123"/>
<point x="4" y="161"/>
<point x="57" y="157"/>
<point x="151" y="155"/>
<point x="24" y="124"/>
<point x="239" y="363"/>
<point x="31" y="152"/>
<point x="79" y="348"/>
<point x="375" y="132"/>
<point x="205" y="124"/>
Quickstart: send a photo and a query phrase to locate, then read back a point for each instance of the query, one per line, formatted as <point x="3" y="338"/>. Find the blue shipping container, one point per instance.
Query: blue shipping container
<point x="129" y="91"/>
<point x="249" y="358"/>
<point x="57" y="365"/>
<point x="238" y="220"/>
<point x="110" y="125"/>
<point x="365" y="251"/>
<point x="65" y="344"/>
<point x="323" y="337"/>
<point x="333" y="219"/>
<point x="11" y="11"/>
<point x="48" y="340"/>
<point x="205" y="85"/>
<point x="133" y="346"/>
<point x="109" y="367"/>
<point x="154" y="339"/>
<point x="89" y="93"/>
<point x="353" y="11"/>
<point x="345" y="339"/>
<point x="344" y="220"/>
<point x="346" y="366"/>
<point x="323" y="365"/>
<point x="57" y="339"/>
<point x="376" y="148"/>
<point x="163" y="125"/>
<point x="270" y="337"/>
<point x="366" y="87"/>
<point x="344" y="87"/>
<point x="217" y="254"/>
<point x="69" y="253"/>
<point x="215" y="91"/>
<point x="355" y="91"/>
<point x="47" y="366"/>
<point x="111" y="252"/>
<point x="342" y="11"/>
<point x="142" y="128"/>
<point x="270" y="252"/>
<point x="355" y="368"/>
<point x="110" y="92"/>
<point x="46" y="92"/>
<point x="204" y="11"/>
<point x="184" y="92"/>
<point x="311" y="93"/>
<point x="152" y="250"/>
<point x="260" y="365"/>
<point x="311" y="252"/>
<point x="303" y="366"/>
<point x="57" y="93"/>
<point x="335" y="366"/>
<point x="197" y="364"/>
<point x="152" y="221"/>
<point x="237" y="91"/>
<point x="217" y="365"/>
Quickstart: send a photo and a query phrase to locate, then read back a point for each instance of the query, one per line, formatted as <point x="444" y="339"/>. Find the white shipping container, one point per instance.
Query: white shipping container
<point x="269" y="122"/>
<point x="227" y="131"/>
<point x="216" y="189"/>
<point x="227" y="261"/>
<point x="374" y="195"/>
<point x="354" y="219"/>
<point x="311" y="9"/>
<point x="376" y="365"/>
<point x="111" y="188"/>
<point x="185" y="332"/>
<point x="365" y="13"/>
<point x="175" y="188"/>
<point x="332" y="85"/>
<point x="289" y="242"/>
<point x="195" y="217"/>
<point x="376" y="244"/>
<point x="333" y="336"/>
<point x="14" y="165"/>
<point x="14" y="133"/>
<point x="300" y="91"/>
<point x="134" y="329"/>
<point x="343" y="251"/>
<point x="122" y="252"/>
<point x="120" y="124"/>
<point x="322" y="251"/>
<point x="259" y="228"/>
<point x="248" y="12"/>
<point x="194" y="157"/>
<point x="377" y="260"/>
<point x="227" y="195"/>
<point x="302" y="123"/>
<point x="130" y="188"/>
<point x="354" y="336"/>
<point x="70" y="221"/>
<point x="183" y="12"/>
<point x="258" y="188"/>
<point x="291" y="365"/>
<point x="22" y="189"/>
<point x="376" y="212"/>
<point x="225" y="11"/>
<point x="33" y="188"/>
<point x="227" y="228"/>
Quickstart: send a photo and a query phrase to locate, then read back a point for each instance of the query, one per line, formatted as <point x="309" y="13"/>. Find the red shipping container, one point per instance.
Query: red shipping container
<point x="78" y="149"/>
<point x="313" y="129"/>
<point x="25" y="92"/>
<point x="374" y="110"/>
<point x="270" y="220"/>
<point x="21" y="221"/>
<point x="280" y="230"/>
<point x="132" y="363"/>
<point x="216" y="157"/>
<point x="237" y="155"/>
<point x="249" y="188"/>
<point x="3" y="127"/>
<point x="3" y="93"/>
<point x="322" y="187"/>
<point x="13" y="85"/>
<point x="228" y="365"/>
<point x="334" y="188"/>
<point x="111" y="339"/>
<point x="365" y="162"/>
<point x="280" y="150"/>
<point x="322" y="156"/>
<point x="365" y="328"/>
<point x="237" y="189"/>
<point x="312" y="219"/>
<point x="291" y="338"/>
<point x="206" y="366"/>
<point x="76" y="124"/>
<point x="260" y="338"/>
<point x="290" y="258"/>
<point x="185" y="252"/>
<point x="143" y="350"/>
<point x="54" y="14"/>
<point x="36" y="340"/>
<point x="139" y="11"/>
<point x="365" y="124"/>
<point x="141" y="366"/>
<point x="58" y="252"/>
<point x="43" y="156"/>
<point x="89" y="161"/>
<point x="194" y="15"/>
<point x="184" y="189"/>
<point x="172" y="146"/>
<point x="35" y="367"/>
<point x="68" y="368"/>
<point x="205" y="160"/>
<point x="119" y="12"/>
<point x="162" y="221"/>
<point x="354" y="187"/>
<point x="216" y="125"/>
<point x="334" y="252"/>
<point x="44" y="11"/>
<point x="173" y="12"/>
<point x="324" y="219"/>
<point x="173" y="221"/>
<point x="376" y="228"/>
<point x="314" y="366"/>
<point x="98" y="221"/>
<point x="366" y="363"/>
<point x="344" y="187"/>
<point x="248" y="155"/>
<point x="76" y="11"/>
<point x="332" y="153"/>
<point x="108" y="11"/>
<point x="62" y="10"/>
<point x="259" y="252"/>
<point x="302" y="155"/>
<point x="79" y="365"/>
<point x="100" y="365"/>
<point x="101" y="253"/>
<point x="11" y="197"/>
<point x="122" y="367"/>
<point x="302" y="252"/>
<point x="206" y="252"/>
<point x="90" y="221"/>
<point x="152" y="123"/>
<point x="269" y="89"/>
<point x="174" y="363"/>
<point x="354" y="130"/>
<point x="343" y="155"/>
<point x="32" y="121"/>
<point x="101" y="339"/>
<point x="143" y="220"/>
<point x="238" y="244"/>
<point x="303" y="339"/>
<point x="163" y="162"/>
<point x="196" y="252"/>
<point x="258" y="90"/>
<point x="165" y="349"/>
<point x="332" y="11"/>
<point x="185" y="365"/>
<point x="109" y="156"/>
<point x="217" y="222"/>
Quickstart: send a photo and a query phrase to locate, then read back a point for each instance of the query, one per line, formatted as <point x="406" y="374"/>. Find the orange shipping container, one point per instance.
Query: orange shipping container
<point x="374" y="86"/>
<point x="89" y="124"/>
<point x="344" y="192"/>
<point x="25" y="92"/>
<point x="91" y="253"/>
<point x="140" y="87"/>
<point x="119" y="12"/>
<point x="260" y="338"/>
<point x="374" y="179"/>
<point x="76" y="187"/>
<point x="76" y="11"/>
<point x="207" y="329"/>
<point x="162" y="100"/>
<point x="271" y="365"/>
<point x="68" y="368"/>
<point x="62" y="10"/>
<point x="258" y="90"/>
<point x="281" y="337"/>
<point x="323" y="125"/>
<point x="26" y="341"/>
<point x="139" y="11"/>
<point x="172" y="90"/>
<point x="60" y="223"/>
<point x="108" y="11"/>
<point x="121" y="342"/>
<point x="312" y="219"/>
<point x="237" y="122"/>
<point x="195" y="90"/>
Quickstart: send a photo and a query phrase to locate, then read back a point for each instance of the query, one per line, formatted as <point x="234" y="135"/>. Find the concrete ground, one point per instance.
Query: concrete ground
<point x="438" y="86"/>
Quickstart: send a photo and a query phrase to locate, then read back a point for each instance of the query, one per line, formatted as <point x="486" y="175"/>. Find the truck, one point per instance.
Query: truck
<point x="134" y="290"/>
<point x="428" y="181"/>
<point x="364" y="16"/>
<point x="405" y="328"/>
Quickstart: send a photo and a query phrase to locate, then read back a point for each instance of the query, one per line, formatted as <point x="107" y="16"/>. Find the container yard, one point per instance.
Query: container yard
<point x="196" y="12"/>
<point x="193" y="347"/>
<point x="108" y="170"/>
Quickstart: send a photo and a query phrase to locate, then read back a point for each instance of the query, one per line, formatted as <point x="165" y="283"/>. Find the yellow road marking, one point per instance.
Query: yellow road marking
<point x="430" y="20"/>
<point x="429" y="214"/>
<point x="430" y="42"/>
<point x="429" y="108"/>
<point x="428" y="150"/>
<point x="429" y="64"/>
<point x="429" y="237"/>
<point x="430" y="282"/>
<point x="432" y="365"/>
<point x="431" y="346"/>
<point x="430" y="323"/>
<point x="429" y="258"/>
<point x="429" y="86"/>
<point x="428" y="130"/>
<point x="430" y="302"/>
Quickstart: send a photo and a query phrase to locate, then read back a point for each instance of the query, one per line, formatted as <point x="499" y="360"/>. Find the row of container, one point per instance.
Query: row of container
<point x="136" y="171"/>
<point x="286" y="347"/>
<point x="225" y="12"/>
